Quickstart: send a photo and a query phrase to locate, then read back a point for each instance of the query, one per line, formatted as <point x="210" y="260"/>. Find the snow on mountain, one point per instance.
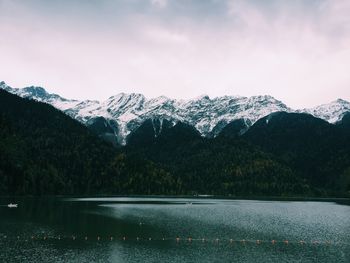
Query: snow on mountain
<point x="207" y="115"/>
<point x="331" y="112"/>
<point x="40" y="94"/>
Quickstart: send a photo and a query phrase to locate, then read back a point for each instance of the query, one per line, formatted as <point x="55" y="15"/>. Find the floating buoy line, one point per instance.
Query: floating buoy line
<point x="177" y="240"/>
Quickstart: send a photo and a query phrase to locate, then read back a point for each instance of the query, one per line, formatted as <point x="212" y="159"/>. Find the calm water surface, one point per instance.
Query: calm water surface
<point x="55" y="230"/>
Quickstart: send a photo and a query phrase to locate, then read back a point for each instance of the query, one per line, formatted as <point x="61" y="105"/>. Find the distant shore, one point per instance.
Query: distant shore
<point x="340" y="200"/>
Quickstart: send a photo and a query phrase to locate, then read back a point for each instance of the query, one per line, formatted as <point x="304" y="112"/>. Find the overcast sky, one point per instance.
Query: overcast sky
<point x="297" y="51"/>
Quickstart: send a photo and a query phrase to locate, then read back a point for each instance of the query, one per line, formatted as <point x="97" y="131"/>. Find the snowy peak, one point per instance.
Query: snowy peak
<point x="35" y="92"/>
<point x="341" y="101"/>
<point x="331" y="112"/>
<point x="4" y="86"/>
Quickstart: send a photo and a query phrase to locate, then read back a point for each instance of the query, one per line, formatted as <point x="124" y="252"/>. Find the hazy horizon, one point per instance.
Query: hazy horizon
<point x="296" y="51"/>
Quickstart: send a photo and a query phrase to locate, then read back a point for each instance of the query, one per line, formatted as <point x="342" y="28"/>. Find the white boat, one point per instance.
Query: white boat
<point x="10" y="205"/>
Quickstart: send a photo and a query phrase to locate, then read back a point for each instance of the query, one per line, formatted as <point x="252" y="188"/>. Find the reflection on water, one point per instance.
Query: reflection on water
<point x="30" y="232"/>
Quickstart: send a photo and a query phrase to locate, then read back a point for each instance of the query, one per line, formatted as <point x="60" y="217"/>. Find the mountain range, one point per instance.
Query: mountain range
<point x="116" y="118"/>
<point x="45" y="151"/>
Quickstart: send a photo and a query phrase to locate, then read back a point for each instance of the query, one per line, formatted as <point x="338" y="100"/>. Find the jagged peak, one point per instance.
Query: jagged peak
<point x="36" y="88"/>
<point x="341" y="101"/>
<point x="4" y="86"/>
<point x="334" y="102"/>
<point x="39" y="91"/>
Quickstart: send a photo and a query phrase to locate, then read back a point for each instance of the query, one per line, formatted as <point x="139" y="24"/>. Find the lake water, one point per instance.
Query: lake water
<point x="208" y="230"/>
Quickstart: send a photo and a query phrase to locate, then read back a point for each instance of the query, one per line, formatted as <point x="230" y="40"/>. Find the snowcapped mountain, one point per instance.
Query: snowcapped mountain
<point x="40" y="94"/>
<point x="332" y="112"/>
<point x="124" y="113"/>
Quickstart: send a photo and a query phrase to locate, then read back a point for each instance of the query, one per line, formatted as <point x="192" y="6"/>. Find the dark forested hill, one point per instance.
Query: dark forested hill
<point x="281" y="154"/>
<point x="344" y="124"/>
<point x="43" y="151"/>
<point x="311" y="147"/>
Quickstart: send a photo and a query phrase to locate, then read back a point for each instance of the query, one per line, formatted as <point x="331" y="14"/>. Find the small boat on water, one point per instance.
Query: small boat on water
<point x="10" y="205"/>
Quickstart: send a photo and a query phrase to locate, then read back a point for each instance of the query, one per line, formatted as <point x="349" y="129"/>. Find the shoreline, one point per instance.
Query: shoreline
<point x="252" y="198"/>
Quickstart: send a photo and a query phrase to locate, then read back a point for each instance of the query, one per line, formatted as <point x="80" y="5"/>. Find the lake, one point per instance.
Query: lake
<point x="172" y="230"/>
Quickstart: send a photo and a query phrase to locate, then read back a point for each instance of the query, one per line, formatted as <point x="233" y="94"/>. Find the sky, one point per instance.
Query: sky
<point x="297" y="51"/>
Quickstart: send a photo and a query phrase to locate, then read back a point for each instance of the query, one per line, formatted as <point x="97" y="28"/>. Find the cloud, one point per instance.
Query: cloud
<point x="297" y="51"/>
<point x="159" y="3"/>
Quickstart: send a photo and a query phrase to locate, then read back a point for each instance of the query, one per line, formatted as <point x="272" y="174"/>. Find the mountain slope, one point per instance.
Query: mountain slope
<point x="43" y="151"/>
<point x="281" y="154"/>
<point x="220" y="166"/>
<point x="234" y="129"/>
<point x="312" y="147"/>
<point x="331" y="112"/>
<point x="344" y="123"/>
<point x="129" y="111"/>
